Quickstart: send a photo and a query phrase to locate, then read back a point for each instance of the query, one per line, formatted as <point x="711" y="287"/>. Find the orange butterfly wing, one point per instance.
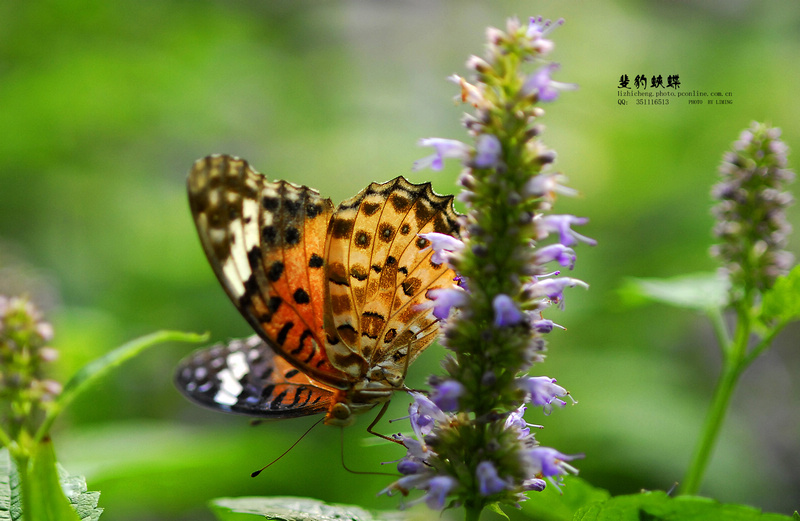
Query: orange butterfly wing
<point x="265" y="241"/>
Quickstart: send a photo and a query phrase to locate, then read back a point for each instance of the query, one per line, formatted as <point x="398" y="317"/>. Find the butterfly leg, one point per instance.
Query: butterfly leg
<point x="376" y="420"/>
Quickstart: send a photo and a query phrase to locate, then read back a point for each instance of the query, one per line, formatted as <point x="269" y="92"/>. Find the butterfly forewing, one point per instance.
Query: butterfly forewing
<point x="247" y="377"/>
<point x="265" y="241"/>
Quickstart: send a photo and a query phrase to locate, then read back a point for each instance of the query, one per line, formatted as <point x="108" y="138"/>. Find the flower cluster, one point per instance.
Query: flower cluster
<point x="471" y="444"/>
<point x="24" y="392"/>
<point x="751" y="221"/>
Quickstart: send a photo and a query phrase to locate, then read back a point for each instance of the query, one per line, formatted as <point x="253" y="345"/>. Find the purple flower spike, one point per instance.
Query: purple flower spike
<point x="562" y="225"/>
<point x="488" y="481"/>
<point x="442" y="245"/>
<point x="542" y="391"/>
<point x="446" y="394"/>
<point x="444" y="148"/>
<point x="487" y="151"/>
<point x="506" y="312"/>
<point x="445" y="299"/>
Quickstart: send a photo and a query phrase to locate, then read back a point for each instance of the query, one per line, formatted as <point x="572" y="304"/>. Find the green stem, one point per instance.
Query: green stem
<point x="22" y="465"/>
<point x="714" y="419"/>
<point x="733" y="365"/>
<point x="472" y="513"/>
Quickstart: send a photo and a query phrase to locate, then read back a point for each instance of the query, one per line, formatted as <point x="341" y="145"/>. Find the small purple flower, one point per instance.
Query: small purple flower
<point x="444" y="148"/>
<point x="410" y="465"/>
<point x="515" y="420"/>
<point x="556" y="252"/>
<point x="445" y="299"/>
<point x="424" y="414"/>
<point x="406" y="483"/>
<point x="446" y="394"/>
<point x="539" y="27"/>
<point x="544" y="185"/>
<point x="506" y="312"/>
<point x="562" y="225"/>
<point x="544" y="325"/>
<point x="541" y="83"/>
<point x="469" y="92"/>
<point x="549" y="462"/>
<point x="542" y="391"/>
<point x="442" y="244"/>
<point x="417" y="451"/>
<point x="488" y="481"/>
<point x="487" y="151"/>
<point x="534" y="484"/>
<point x="553" y="289"/>
<point x="438" y="489"/>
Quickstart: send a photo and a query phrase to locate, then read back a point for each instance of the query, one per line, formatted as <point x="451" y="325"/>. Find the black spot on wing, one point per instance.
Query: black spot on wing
<point x="315" y="261"/>
<point x="275" y="271"/>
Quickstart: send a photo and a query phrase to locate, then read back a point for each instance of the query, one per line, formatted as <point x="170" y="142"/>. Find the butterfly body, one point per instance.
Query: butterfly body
<point x="337" y="297"/>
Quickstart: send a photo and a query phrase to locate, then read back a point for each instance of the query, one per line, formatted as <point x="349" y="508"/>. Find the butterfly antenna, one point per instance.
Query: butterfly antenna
<point x="259" y="471"/>
<point x="351" y="471"/>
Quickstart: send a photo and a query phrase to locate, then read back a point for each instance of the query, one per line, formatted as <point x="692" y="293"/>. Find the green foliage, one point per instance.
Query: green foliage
<point x="55" y="495"/>
<point x="38" y="489"/>
<point x="95" y="370"/>
<point x="782" y="302"/>
<point x="554" y="505"/>
<point x="698" y="291"/>
<point x="658" y="506"/>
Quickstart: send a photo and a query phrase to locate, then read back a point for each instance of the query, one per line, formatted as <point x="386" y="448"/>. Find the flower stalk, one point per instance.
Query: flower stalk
<point x="472" y="446"/>
<point x="26" y="396"/>
<point x="752" y="229"/>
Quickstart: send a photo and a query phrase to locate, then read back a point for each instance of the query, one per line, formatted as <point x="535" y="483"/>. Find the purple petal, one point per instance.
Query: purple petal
<point x="487" y="151"/>
<point x="446" y="394"/>
<point x="506" y="312"/>
<point x="438" y="489"/>
<point x="488" y="481"/>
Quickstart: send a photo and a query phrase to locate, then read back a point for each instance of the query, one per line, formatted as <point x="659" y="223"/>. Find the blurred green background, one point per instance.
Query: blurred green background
<point x="105" y="105"/>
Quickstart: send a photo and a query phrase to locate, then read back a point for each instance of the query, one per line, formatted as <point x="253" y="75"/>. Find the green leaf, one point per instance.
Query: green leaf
<point x="657" y="506"/>
<point x="494" y="507"/>
<point x="698" y="291"/>
<point x="552" y="505"/>
<point x="293" y="509"/>
<point x="782" y="301"/>
<point x="10" y="506"/>
<point x="55" y="495"/>
<point x="46" y="501"/>
<point x="96" y="369"/>
<point x="83" y="501"/>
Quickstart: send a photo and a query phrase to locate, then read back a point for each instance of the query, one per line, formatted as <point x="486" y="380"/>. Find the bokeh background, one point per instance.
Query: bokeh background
<point x="104" y="105"/>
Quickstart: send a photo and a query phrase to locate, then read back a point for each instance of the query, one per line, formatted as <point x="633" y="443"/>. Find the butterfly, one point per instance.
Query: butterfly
<point x="338" y="298"/>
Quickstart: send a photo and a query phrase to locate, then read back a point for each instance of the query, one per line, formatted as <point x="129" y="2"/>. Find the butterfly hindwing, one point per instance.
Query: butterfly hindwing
<point x="247" y="377"/>
<point x="380" y="271"/>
